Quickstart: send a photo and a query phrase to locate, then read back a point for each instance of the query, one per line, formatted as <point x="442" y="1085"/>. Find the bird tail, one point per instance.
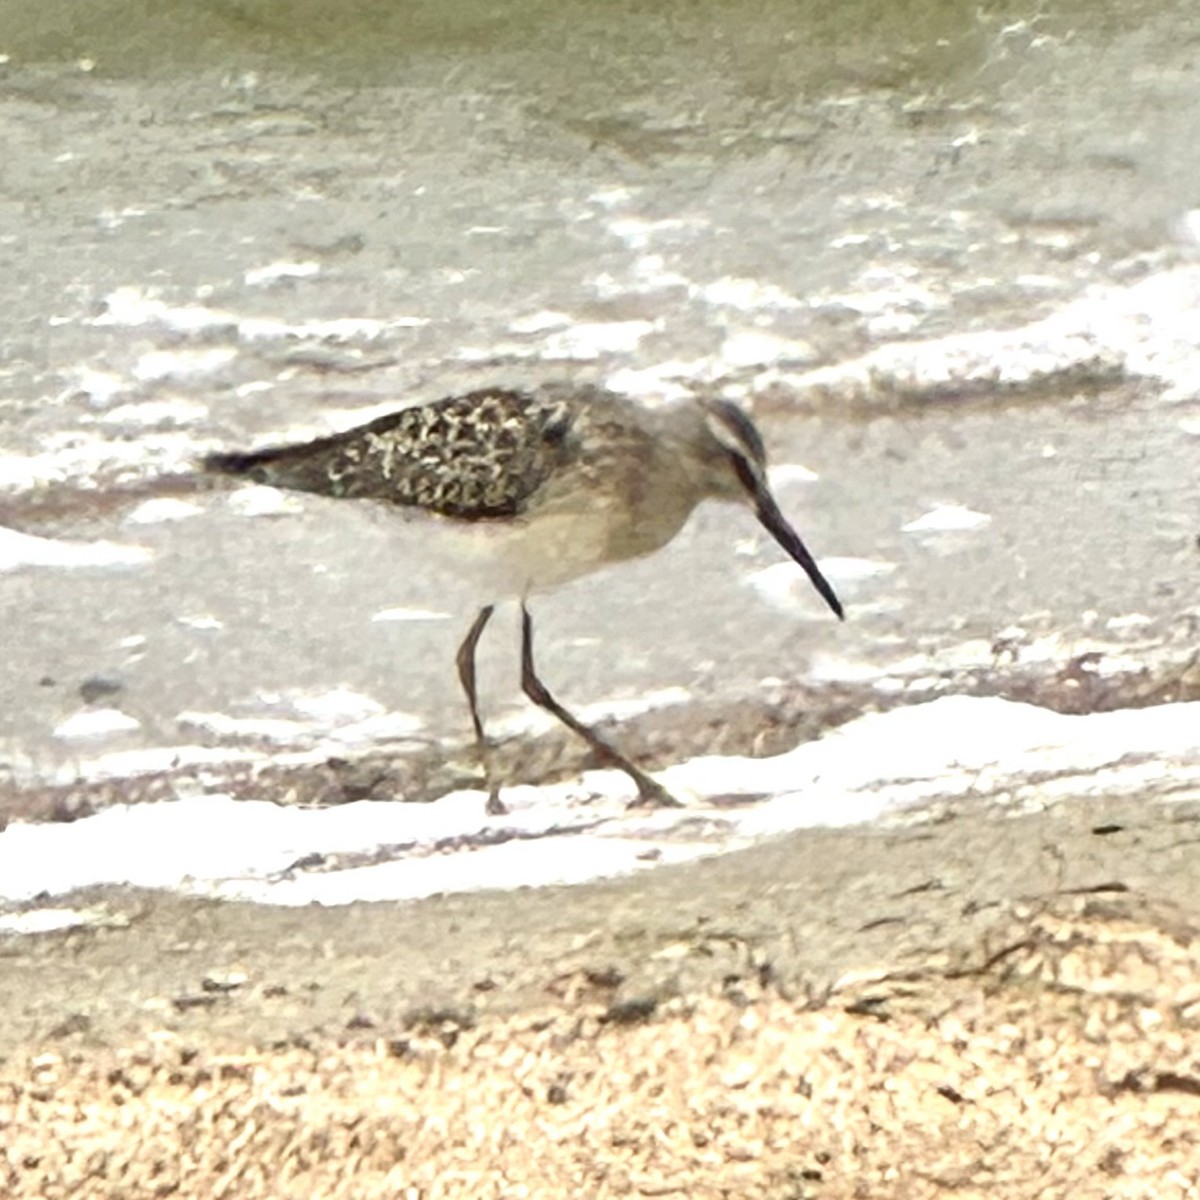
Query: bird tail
<point x="253" y="464"/>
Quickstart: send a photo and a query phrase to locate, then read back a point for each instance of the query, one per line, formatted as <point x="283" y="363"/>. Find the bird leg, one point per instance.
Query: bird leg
<point x="650" y="793"/>
<point x="465" y="659"/>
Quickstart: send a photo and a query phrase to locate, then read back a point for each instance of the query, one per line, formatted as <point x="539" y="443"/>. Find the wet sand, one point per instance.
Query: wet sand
<point x="992" y="1004"/>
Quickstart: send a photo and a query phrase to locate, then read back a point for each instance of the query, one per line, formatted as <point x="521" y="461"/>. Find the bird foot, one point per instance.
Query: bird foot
<point x="652" y="794"/>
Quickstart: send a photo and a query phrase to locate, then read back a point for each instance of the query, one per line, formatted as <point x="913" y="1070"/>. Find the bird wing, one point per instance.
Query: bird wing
<point x="475" y="456"/>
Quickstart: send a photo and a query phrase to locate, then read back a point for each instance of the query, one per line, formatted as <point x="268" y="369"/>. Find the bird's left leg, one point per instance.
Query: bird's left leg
<point x="650" y="792"/>
<point x="465" y="660"/>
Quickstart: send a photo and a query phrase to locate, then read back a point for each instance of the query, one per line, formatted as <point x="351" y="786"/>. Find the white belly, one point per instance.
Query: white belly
<point x="508" y="559"/>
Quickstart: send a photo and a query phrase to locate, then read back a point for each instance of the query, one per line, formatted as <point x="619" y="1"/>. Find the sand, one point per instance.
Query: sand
<point x="1027" y="1046"/>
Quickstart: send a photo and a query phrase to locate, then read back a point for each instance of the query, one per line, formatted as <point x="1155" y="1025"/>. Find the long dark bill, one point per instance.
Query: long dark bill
<point x="776" y="524"/>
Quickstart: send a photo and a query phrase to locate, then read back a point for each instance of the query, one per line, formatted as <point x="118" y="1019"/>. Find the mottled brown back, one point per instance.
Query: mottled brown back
<point x="478" y="456"/>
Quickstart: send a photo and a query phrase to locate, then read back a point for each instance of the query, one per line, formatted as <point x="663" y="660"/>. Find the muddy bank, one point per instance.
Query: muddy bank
<point x="806" y="908"/>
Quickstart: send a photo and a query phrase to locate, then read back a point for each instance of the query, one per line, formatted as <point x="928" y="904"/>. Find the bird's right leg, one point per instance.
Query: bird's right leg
<point x="651" y="793"/>
<point x="465" y="660"/>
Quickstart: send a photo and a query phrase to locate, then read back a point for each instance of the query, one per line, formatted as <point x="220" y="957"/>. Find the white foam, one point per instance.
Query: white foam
<point x="855" y="570"/>
<point x="409" y="614"/>
<point x="70" y="456"/>
<point x="947" y="518"/>
<point x="100" y="387"/>
<point x="540" y="322"/>
<point x="50" y="920"/>
<point x="133" y="307"/>
<point x="891" y="300"/>
<point x="181" y="363"/>
<point x="884" y="765"/>
<point x="611" y="197"/>
<point x="165" y="508"/>
<point x="638" y="233"/>
<point x="746" y="295"/>
<point x="201" y="621"/>
<point x="333" y="706"/>
<point x="96" y="723"/>
<point x="1149" y="329"/>
<point x="260" y="501"/>
<point x="1126" y="621"/>
<point x="277" y="730"/>
<point x="754" y="348"/>
<point x="590" y="340"/>
<point x="275" y="272"/>
<point x="302" y="719"/>
<point x="785" y="474"/>
<point x="1188" y="225"/>
<point x="156" y="413"/>
<point x="113" y="218"/>
<point x="27" y="550"/>
<point x="673" y="380"/>
<point x="338" y="329"/>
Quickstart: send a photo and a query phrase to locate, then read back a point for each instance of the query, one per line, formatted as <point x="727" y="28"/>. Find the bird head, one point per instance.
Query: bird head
<point x="746" y="457"/>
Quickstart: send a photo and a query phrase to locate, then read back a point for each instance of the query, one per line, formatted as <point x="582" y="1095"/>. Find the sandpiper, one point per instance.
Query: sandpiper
<point x="552" y="483"/>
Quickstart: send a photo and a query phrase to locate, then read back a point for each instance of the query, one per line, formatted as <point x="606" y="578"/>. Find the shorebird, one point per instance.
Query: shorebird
<point x="548" y="484"/>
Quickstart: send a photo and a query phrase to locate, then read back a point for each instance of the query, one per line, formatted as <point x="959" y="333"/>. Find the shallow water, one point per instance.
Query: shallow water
<point x="948" y="255"/>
